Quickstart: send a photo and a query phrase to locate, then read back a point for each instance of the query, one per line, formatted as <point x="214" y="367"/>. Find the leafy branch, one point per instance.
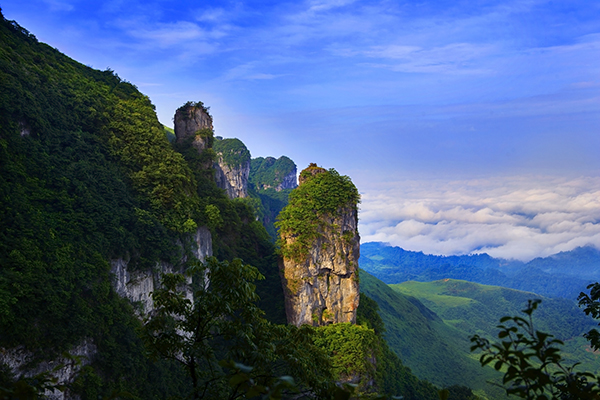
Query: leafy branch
<point x="531" y="361"/>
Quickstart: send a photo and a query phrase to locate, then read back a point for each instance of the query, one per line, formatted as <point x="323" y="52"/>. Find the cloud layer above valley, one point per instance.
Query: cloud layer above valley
<point x="509" y="217"/>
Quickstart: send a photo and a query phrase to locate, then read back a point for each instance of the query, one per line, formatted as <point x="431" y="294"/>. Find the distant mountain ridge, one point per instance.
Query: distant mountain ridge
<point x="429" y="324"/>
<point x="565" y="274"/>
<point x="582" y="261"/>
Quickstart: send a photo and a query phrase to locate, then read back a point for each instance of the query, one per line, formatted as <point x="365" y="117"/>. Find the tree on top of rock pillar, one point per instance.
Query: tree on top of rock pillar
<point x="320" y="247"/>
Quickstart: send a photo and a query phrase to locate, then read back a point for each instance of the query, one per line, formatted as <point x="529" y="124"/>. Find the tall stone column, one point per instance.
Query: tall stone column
<point x="320" y="247"/>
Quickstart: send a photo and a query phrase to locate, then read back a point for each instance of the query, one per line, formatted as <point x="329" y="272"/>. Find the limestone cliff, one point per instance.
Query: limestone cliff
<point x="63" y="369"/>
<point x="320" y="246"/>
<point x="137" y="286"/>
<point x="232" y="167"/>
<point x="193" y="122"/>
<point x="288" y="181"/>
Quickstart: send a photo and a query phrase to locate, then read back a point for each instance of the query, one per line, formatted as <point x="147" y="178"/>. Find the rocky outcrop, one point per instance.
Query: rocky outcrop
<point x="137" y="286"/>
<point x="22" y="364"/>
<point x="321" y="280"/>
<point x="288" y="181"/>
<point x="232" y="167"/>
<point x="234" y="180"/>
<point x="192" y="120"/>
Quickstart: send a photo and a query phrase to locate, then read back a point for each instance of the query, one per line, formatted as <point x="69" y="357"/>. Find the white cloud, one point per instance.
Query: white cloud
<point x="511" y="217"/>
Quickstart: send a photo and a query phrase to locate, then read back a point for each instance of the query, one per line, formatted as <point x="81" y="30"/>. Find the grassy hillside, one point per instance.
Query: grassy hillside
<point x="472" y="308"/>
<point x="432" y="349"/>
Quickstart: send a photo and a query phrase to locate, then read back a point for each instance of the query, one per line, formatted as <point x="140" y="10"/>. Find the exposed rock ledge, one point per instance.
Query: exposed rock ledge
<point x="137" y="286"/>
<point x="234" y="180"/>
<point x="324" y="288"/>
<point x="20" y="363"/>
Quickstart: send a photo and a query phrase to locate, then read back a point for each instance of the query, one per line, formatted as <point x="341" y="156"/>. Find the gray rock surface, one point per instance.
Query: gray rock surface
<point x="188" y="122"/>
<point x="64" y="369"/>
<point x="137" y="286"/>
<point x="324" y="289"/>
<point x="234" y="180"/>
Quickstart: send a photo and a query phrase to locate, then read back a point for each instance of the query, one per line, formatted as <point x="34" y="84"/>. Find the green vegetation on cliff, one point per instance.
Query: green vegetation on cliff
<point x="234" y="152"/>
<point x="321" y="196"/>
<point x="235" y="231"/>
<point x="268" y="173"/>
<point x="86" y="175"/>
<point x="266" y="184"/>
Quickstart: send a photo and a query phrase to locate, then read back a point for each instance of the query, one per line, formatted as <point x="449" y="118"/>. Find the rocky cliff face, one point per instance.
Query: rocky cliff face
<point x="137" y="286"/>
<point x="190" y="121"/>
<point x="234" y="180"/>
<point x="288" y="181"/>
<point x="232" y="167"/>
<point x="320" y="270"/>
<point x="63" y="369"/>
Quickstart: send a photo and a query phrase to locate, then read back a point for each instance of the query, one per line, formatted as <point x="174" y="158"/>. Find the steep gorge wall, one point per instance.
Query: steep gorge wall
<point x="232" y="167"/>
<point x="320" y="243"/>
<point x="137" y="286"/>
<point x="288" y="181"/>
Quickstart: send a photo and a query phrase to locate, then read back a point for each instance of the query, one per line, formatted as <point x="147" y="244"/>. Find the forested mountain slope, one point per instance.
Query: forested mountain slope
<point x="428" y="324"/>
<point x="87" y="176"/>
<point x="476" y="309"/>
<point x="432" y="349"/>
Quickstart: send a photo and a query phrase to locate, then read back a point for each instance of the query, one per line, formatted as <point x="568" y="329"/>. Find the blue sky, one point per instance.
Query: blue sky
<point x="476" y="100"/>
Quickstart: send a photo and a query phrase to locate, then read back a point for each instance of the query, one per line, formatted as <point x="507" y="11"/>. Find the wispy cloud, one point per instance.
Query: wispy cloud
<point x="174" y="34"/>
<point x="512" y="217"/>
<point x="214" y="15"/>
<point x="323" y="5"/>
<point x="57" y="5"/>
<point x="247" y="71"/>
<point x="451" y="58"/>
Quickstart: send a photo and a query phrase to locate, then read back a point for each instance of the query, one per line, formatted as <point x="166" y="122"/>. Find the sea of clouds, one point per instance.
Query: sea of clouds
<point x="519" y="217"/>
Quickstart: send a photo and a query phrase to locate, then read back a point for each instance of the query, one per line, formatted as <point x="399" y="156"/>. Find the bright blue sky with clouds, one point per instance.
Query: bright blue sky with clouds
<point x="467" y="125"/>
